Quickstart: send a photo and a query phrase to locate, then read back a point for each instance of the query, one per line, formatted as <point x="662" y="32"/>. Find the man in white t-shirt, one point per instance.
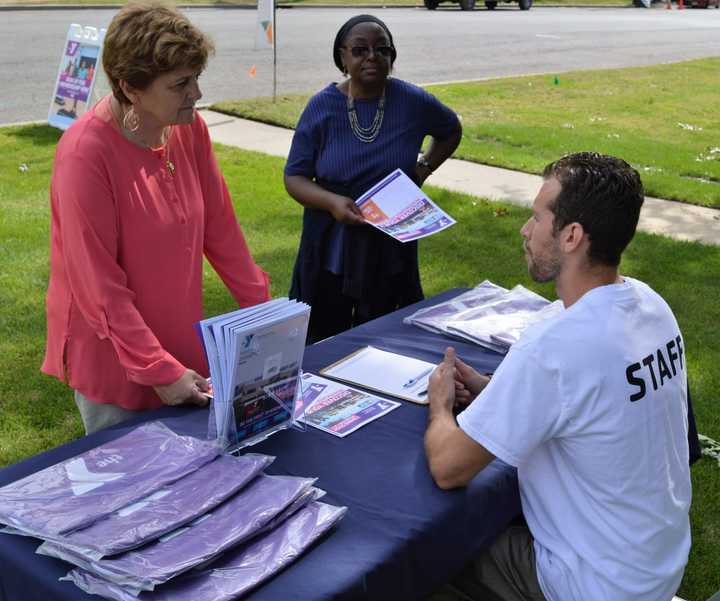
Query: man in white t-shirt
<point x="589" y="405"/>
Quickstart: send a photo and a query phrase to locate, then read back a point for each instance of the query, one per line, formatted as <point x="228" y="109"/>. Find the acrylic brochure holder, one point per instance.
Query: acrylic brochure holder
<point x="255" y="358"/>
<point x="276" y="408"/>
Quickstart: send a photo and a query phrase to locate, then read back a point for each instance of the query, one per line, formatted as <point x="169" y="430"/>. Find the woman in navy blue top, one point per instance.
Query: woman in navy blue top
<point x="349" y="137"/>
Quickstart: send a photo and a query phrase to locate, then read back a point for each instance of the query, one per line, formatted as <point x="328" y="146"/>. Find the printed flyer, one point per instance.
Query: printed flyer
<point x="336" y="408"/>
<point x="399" y="208"/>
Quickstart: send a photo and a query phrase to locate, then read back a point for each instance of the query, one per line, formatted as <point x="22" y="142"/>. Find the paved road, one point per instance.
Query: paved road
<point x="433" y="46"/>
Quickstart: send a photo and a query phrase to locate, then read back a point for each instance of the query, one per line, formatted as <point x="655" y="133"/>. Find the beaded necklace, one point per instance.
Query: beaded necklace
<point x="365" y="134"/>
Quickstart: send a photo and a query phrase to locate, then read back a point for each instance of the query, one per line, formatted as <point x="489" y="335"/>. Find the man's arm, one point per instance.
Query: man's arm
<point x="454" y="458"/>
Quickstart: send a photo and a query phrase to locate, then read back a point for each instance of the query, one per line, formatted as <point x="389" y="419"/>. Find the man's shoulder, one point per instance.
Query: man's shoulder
<point x="592" y="326"/>
<point x="646" y="293"/>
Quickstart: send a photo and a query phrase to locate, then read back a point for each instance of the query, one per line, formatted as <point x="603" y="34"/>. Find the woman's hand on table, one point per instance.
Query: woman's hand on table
<point x="190" y="388"/>
<point x="346" y="211"/>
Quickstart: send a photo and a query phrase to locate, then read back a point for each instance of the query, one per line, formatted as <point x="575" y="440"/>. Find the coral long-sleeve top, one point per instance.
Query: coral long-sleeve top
<point x="130" y="226"/>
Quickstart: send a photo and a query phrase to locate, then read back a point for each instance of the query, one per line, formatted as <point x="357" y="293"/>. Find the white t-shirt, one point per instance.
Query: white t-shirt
<point x="591" y="406"/>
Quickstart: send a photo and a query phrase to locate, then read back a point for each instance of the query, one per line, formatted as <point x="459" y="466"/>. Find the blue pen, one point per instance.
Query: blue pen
<point x="417" y="378"/>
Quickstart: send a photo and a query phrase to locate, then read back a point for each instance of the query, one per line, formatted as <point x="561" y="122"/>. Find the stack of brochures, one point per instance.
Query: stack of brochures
<point x="156" y="516"/>
<point x="255" y="355"/>
<point x="488" y="315"/>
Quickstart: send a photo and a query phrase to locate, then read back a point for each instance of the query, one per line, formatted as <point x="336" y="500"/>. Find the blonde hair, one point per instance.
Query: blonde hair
<point x="147" y="40"/>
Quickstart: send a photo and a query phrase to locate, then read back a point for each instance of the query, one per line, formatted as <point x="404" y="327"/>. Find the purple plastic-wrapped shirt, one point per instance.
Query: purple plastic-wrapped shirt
<point x="229" y="524"/>
<point x="79" y="491"/>
<point x="240" y="570"/>
<point x="169" y="508"/>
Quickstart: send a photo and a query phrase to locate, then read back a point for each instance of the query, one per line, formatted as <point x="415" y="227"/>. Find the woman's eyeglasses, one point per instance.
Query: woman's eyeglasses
<point x="364" y="51"/>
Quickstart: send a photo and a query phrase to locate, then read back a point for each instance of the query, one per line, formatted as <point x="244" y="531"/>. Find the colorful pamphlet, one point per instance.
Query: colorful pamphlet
<point x="399" y="208"/>
<point x="339" y="409"/>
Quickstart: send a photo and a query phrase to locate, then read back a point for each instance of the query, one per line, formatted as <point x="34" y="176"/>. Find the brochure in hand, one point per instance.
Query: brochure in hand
<point x="254" y="356"/>
<point x="399" y="208"/>
<point x="339" y="409"/>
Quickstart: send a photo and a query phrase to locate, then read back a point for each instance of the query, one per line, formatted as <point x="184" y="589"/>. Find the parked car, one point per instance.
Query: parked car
<point x="470" y="4"/>
<point x="702" y="3"/>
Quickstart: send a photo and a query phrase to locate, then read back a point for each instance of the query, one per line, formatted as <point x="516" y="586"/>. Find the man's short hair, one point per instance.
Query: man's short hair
<point x="603" y="194"/>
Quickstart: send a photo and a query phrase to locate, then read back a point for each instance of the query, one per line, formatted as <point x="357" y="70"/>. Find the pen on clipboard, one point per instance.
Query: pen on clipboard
<point x="414" y="380"/>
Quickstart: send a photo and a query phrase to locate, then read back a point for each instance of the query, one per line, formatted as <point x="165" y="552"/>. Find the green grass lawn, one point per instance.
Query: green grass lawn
<point x="38" y="412"/>
<point x="657" y="118"/>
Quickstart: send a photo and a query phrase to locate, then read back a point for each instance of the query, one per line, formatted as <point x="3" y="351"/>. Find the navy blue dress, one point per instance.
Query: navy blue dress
<point x="350" y="274"/>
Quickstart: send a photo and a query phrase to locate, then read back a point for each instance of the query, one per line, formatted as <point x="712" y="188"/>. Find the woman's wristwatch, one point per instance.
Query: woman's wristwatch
<point x="423" y="162"/>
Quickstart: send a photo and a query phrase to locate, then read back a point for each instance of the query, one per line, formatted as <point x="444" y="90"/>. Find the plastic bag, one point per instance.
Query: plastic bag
<point x="231" y="523"/>
<point x="237" y="572"/>
<point x="168" y="508"/>
<point x="77" y="492"/>
<point x="435" y="318"/>
<point x="498" y="324"/>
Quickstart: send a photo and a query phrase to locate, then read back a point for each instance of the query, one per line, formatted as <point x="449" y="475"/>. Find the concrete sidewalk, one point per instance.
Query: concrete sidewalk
<point x="674" y="219"/>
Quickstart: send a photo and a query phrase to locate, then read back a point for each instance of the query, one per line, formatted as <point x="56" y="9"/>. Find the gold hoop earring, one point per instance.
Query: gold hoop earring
<point x="131" y="120"/>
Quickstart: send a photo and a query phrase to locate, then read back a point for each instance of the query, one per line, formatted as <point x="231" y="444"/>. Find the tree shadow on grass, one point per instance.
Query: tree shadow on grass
<point x="37" y="134"/>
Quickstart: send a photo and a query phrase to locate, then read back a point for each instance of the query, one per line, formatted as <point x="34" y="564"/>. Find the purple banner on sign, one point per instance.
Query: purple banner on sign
<point x="73" y="89"/>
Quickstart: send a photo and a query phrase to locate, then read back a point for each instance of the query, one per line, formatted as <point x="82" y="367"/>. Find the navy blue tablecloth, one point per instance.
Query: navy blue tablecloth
<point x="402" y="537"/>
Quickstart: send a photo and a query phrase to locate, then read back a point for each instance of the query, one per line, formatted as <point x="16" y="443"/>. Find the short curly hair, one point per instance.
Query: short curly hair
<point x="147" y="40"/>
<point x="602" y="193"/>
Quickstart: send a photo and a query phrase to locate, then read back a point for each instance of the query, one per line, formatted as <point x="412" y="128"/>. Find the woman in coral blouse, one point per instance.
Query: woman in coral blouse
<point x="137" y="200"/>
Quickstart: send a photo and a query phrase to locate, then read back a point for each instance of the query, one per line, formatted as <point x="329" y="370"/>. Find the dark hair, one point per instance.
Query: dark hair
<point x="603" y="194"/>
<point x="345" y="30"/>
<point x="147" y="40"/>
